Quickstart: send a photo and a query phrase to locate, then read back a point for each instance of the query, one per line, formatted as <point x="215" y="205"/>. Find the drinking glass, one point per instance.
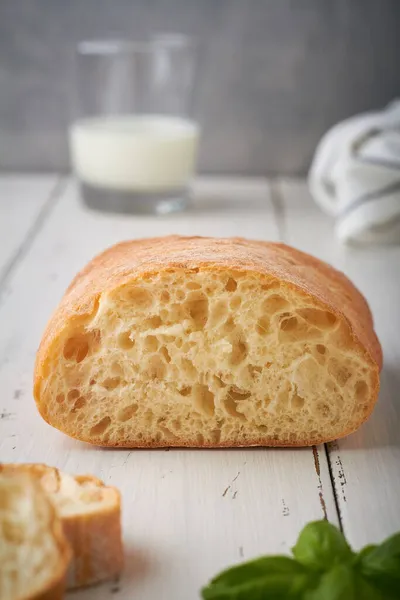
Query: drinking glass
<point x="133" y="140"/>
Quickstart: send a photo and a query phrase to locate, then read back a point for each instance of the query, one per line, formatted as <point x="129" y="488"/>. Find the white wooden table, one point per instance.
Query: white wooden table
<point x="187" y="514"/>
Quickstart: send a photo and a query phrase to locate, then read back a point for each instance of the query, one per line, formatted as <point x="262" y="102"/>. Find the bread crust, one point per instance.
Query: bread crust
<point x="136" y="260"/>
<point x="95" y="538"/>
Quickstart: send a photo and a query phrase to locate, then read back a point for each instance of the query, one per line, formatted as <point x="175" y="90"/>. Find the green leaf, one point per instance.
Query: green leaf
<point x="275" y="577"/>
<point x="342" y="583"/>
<point x="321" y="545"/>
<point x="364" y="552"/>
<point x="380" y="565"/>
<point x="336" y="584"/>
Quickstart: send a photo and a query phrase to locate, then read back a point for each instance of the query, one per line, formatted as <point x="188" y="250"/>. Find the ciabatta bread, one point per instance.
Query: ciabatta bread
<point x="90" y="513"/>
<point x="34" y="553"/>
<point x="208" y="342"/>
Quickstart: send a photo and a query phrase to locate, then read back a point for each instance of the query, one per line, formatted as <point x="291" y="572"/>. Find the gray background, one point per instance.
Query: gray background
<point x="276" y="73"/>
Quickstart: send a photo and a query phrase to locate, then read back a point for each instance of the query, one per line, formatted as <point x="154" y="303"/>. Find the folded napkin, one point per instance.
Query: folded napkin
<point x="355" y="176"/>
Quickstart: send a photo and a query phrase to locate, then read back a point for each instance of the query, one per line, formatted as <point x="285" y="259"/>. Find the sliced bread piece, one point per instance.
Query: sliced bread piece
<point x="208" y="342"/>
<point x="34" y="553"/>
<point x="90" y="513"/>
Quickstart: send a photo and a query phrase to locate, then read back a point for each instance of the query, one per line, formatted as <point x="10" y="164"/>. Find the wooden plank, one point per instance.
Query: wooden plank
<point x="365" y="465"/>
<point x="23" y="200"/>
<point x="186" y="514"/>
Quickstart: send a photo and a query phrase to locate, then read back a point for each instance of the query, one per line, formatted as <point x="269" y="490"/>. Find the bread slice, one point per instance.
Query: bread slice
<point x="34" y="553"/>
<point x="208" y="342"/>
<point x="90" y="514"/>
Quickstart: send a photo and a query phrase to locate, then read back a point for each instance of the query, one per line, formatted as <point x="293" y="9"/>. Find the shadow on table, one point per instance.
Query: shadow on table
<point x="137" y="566"/>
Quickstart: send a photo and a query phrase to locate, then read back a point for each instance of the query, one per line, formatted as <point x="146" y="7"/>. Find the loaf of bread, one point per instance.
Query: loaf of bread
<point x="91" y="520"/>
<point x="207" y="342"/>
<point x="34" y="553"/>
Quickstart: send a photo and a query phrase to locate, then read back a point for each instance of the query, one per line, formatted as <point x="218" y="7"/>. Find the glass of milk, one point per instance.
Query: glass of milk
<point x="133" y="140"/>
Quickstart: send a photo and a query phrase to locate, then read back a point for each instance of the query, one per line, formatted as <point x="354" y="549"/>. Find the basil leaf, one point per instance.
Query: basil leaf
<point x="364" y="552"/>
<point x="275" y="577"/>
<point x="380" y="565"/>
<point x="321" y="545"/>
<point x="342" y="583"/>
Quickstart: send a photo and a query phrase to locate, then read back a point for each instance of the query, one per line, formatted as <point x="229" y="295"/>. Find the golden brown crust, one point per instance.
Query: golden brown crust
<point x="139" y="259"/>
<point x="95" y="537"/>
<point x="56" y="591"/>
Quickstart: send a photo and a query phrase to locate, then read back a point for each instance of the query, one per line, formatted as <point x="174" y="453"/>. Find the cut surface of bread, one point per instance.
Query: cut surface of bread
<point x="34" y="553"/>
<point x="90" y="513"/>
<point x="207" y="342"/>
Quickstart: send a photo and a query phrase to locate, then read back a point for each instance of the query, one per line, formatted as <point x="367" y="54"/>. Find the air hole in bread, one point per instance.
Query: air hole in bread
<point x="289" y="324"/>
<point x="153" y="322"/>
<point x="149" y="417"/>
<point x="193" y="285"/>
<point x="111" y="383"/>
<point x="235" y="303"/>
<point x="164" y="352"/>
<point x="60" y="398"/>
<point x="229" y="325"/>
<point x="177" y="424"/>
<point x="271" y="286"/>
<point x="215" y="436"/>
<point x="126" y="413"/>
<point x="151" y="343"/>
<point x="339" y="371"/>
<point x="167" y="433"/>
<point x="266" y="401"/>
<point x="164" y="297"/>
<point x="79" y="403"/>
<point x="238" y="394"/>
<point x="125" y="341"/>
<point x="138" y="296"/>
<point x="77" y="347"/>
<point x="185" y="391"/>
<point x="231" y="285"/>
<point x="219" y="382"/>
<point x="297" y="402"/>
<point x="230" y="407"/>
<point x="362" y="390"/>
<point x="117" y="369"/>
<point x="188" y="369"/>
<point x="322" y="319"/>
<point x="254" y="371"/>
<point x="180" y="295"/>
<point x="273" y="304"/>
<point x="239" y="352"/>
<point x="203" y="400"/>
<point x="262" y="326"/>
<point x="73" y="394"/>
<point x="197" y="305"/>
<point x="321" y="349"/>
<point x="101" y="426"/>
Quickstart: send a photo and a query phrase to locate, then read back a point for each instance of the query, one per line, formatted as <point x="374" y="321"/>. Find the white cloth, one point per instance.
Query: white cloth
<point x="355" y="176"/>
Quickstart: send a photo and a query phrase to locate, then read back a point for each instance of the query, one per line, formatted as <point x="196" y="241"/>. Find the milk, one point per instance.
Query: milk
<point x="134" y="153"/>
